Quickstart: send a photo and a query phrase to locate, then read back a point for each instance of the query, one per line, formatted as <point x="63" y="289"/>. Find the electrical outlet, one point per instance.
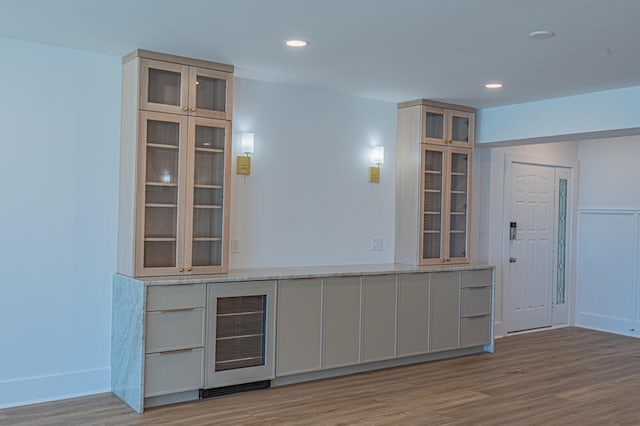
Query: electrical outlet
<point x="235" y="245"/>
<point x="376" y="244"/>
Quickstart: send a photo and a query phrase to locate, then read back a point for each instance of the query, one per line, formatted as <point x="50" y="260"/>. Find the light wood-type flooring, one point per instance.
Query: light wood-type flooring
<point x="568" y="376"/>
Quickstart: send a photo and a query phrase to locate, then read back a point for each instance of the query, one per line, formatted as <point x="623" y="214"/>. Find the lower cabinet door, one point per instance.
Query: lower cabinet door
<point x="299" y="326"/>
<point x="341" y="344"/>
<point x="444" y="308"/>
<point x="378" y="318"/>
<point x="413" y="314"/>
<point x="475" y="331"/>
<point x="170" y="372"/>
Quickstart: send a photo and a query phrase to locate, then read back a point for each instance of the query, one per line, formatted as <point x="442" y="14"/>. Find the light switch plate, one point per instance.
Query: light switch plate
<point x="376" y="244"/>
<point x="235" y="245"/>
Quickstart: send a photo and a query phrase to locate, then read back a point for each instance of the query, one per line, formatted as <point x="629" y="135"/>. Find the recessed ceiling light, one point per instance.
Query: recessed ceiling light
<point x="296" y="43"/>
<point x="541" y="35"/>
<point x="493" y="85"/>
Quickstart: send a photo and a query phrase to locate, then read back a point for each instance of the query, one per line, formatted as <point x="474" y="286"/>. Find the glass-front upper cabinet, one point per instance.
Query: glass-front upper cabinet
<point x="182" y="89"/>
<point x="186" y="176"/>
<point x="208" y="182"/>
<point x="441" y="126"/>
<point x="458" y="206"/>
<point x="160" y="242"/>
<point x="445" y="205"/>
<point x="174" y="165"/>
<point x="433" y="167"/>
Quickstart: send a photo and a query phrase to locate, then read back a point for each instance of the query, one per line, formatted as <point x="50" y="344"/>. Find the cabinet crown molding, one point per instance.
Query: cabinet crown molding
<point x="148" y="54"/>
<point x="436" y="104"/>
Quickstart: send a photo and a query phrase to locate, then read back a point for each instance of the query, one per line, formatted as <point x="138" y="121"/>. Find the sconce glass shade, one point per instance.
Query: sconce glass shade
<point x="377" y="155"/>
<point x="247" y="143"/>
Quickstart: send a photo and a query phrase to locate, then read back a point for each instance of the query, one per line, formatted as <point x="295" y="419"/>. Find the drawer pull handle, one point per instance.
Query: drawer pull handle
<point x="177" y="310"/>
<point x="176" y="351"/>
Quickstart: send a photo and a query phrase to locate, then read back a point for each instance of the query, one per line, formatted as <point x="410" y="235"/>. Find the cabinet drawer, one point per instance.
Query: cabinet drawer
<point x="475" y="331"/>
<point x="475" y="301"/>
<point x="171" y="330"/>
<point x="176" y="297"/>
<point x="479" y="278"/>
<point x="171" y="372"/>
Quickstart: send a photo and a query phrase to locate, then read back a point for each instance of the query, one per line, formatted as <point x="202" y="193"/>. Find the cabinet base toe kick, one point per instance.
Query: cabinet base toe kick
<point x="192" y="395"/>
<point x="371" y="366"/>
<point x="228" y="390"/>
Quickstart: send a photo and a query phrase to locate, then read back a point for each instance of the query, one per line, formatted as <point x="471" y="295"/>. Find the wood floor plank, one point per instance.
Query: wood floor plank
<point x="557" y="377"/>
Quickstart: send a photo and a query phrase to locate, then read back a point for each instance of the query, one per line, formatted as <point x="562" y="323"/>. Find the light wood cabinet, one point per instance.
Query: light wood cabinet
<point x="175" y="166"/>
<point x="341" y="322"/>
<point x="444" y="310"/>
<point x="447" y="125"/>
<point x="378" y="318"/>
<point x="445" y="201"/>
<point x="433" y="196"/>
<point x="178" y="86"/>
<point x="413" y="314"/>
<point x="299" y="326"/>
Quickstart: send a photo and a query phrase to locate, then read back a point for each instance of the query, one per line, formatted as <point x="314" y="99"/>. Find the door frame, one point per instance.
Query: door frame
<point x="570" y="261"/>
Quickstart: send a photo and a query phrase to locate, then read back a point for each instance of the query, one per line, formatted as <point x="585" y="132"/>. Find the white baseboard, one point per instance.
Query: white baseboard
<point x="33" y="390"/>
<point x="590" y="326"/>
<point x="537" y="330"/>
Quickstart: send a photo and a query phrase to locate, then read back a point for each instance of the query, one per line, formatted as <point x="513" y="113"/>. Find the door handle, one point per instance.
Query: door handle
<point x="512" y="260"/>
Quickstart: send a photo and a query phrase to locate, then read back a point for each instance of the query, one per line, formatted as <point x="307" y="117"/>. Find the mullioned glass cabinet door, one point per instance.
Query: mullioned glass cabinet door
<point x="208" y="180"/>
<point x="433" y="175"/>
<point x="164" y="87"/>
<point x="185" y="90"/>
<point x="458" y="206"/>
<point x="159" y="239"/>
<point x="445" y="205"/>
<point x="447" y="127"/>
<point x="461" y="128"/>
<point x="210" y="93"/>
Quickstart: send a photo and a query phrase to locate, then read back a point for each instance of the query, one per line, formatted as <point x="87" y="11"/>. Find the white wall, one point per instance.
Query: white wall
<point x="611" y="112"/>
<point x="610" y="173"/>
<point x="609" y="236"/>
<point x="308" y="200"/>
<point x="490" y="207"/>
<point x="60" y="115"/>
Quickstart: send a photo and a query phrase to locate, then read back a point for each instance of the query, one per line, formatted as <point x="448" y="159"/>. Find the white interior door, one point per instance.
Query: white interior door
<point x="530" y="251"/>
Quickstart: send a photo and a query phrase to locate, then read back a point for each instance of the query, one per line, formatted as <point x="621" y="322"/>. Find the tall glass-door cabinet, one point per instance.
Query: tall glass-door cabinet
<point x="434" y="151"/>
<point x="175" y="165"/>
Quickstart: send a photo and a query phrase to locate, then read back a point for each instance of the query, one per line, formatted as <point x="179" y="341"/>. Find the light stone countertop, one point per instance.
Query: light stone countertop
<point x="263" y="274"/>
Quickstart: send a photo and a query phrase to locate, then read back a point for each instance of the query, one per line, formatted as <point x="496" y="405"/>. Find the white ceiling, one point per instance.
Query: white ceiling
<point x="391" y="50"/>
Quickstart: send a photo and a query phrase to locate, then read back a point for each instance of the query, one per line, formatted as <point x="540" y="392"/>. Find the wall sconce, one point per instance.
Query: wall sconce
<point x="244" y="161"/>
<point x="377" y="157"/>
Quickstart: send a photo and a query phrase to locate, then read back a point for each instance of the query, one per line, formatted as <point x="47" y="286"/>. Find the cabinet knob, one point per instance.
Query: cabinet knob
<point x="189" y="269"/>
<point x="185" y="108"/>
<point x="180" y="269"/>
<point x="193" y="109"/>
